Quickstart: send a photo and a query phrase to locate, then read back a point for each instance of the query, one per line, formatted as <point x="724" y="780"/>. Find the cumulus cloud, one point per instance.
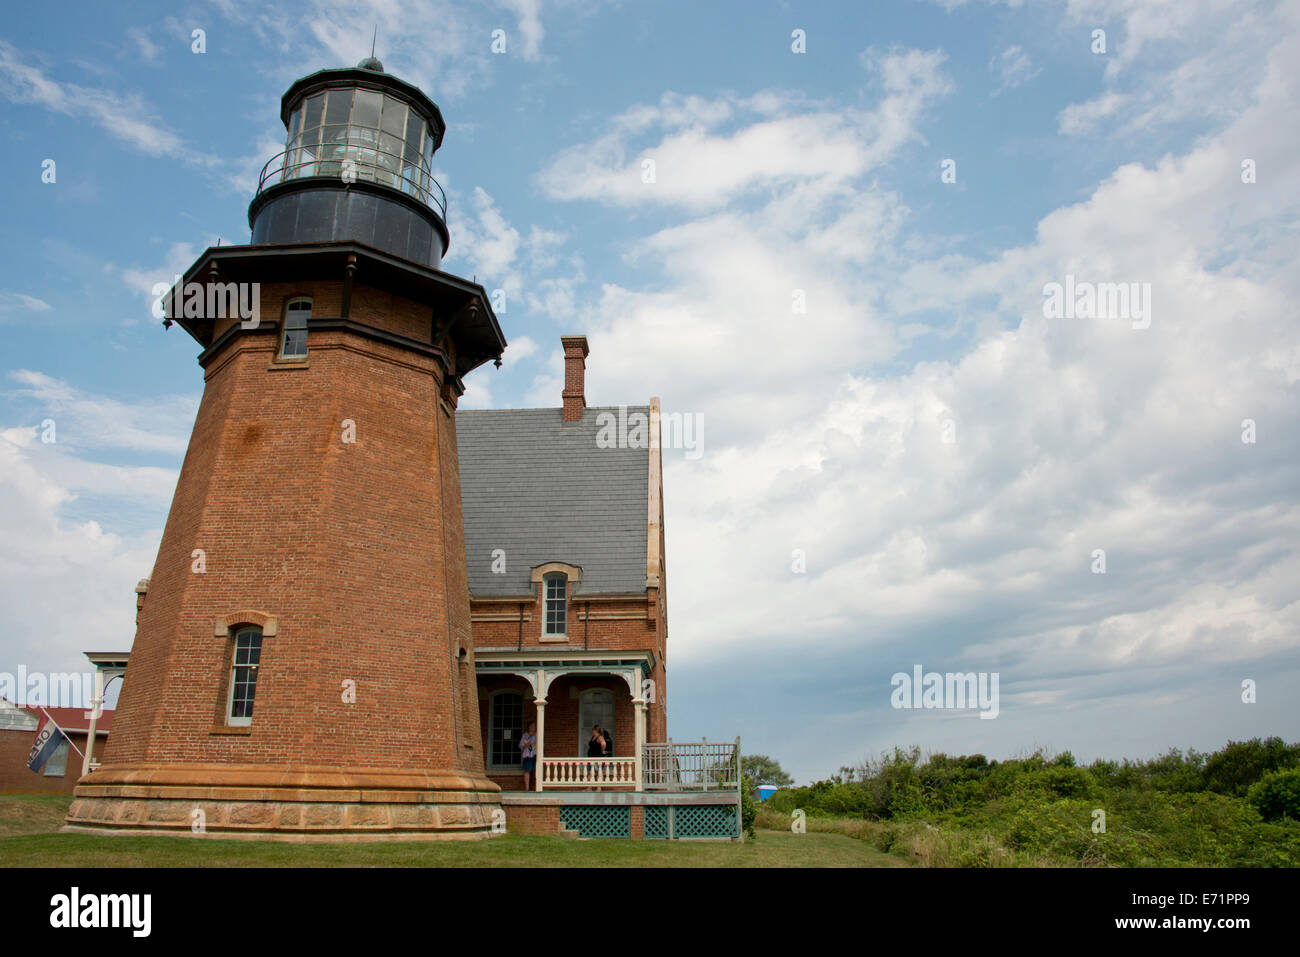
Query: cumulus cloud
<point x="707" y="155"/>
<point x="74" y="522"/>
<point x="949" y="510"/>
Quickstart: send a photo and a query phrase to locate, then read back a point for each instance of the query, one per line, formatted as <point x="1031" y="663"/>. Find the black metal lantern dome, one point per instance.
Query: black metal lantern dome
<point x="356" y="166"/>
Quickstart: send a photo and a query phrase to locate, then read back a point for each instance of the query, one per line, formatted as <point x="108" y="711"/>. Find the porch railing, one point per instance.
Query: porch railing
<point x="588" y="772"/>
<point x="691" y="765"/>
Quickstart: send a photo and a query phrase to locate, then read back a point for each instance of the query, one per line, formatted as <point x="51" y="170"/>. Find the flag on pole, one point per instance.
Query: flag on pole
<point x="48" y="738"/>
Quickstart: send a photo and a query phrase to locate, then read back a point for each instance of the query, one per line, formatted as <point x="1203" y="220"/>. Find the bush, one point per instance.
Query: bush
<point x="1234" y="769"/>
<point x="1277" y="795"/>
<point x="748" y="806"/>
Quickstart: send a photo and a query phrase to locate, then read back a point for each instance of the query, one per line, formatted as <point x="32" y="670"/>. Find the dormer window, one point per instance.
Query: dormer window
<point x="556" y="595"/>
<point x="293" y="340"/>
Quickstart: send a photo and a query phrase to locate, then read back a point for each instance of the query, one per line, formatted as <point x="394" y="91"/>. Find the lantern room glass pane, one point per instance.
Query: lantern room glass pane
<point x="365" y="109"/>
<point x="294" y="120"/>
<point x="338" y="106"/>
<point x="394" y="116"/>
<point x="414" y="132"/>
<point x="315" y="106"/>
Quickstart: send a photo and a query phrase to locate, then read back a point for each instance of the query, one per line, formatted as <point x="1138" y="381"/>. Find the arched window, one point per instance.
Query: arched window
<point x="505" y="726"/>
<point x="556" y="597"/>
<point x="243" y="675"/>
<point x="293" y="339"/>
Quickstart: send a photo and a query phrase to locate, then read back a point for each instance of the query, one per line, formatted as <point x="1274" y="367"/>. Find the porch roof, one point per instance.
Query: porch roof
<point x="489" y="661"/>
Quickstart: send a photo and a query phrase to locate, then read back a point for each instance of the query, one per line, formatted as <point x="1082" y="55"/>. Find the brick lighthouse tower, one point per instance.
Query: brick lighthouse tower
<point x="302" y="665"/>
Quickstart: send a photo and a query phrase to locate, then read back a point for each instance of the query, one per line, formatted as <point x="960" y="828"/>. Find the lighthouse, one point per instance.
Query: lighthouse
<point x="303" y="666"/>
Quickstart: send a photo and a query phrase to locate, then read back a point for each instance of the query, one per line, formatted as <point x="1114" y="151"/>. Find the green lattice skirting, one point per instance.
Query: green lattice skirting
<point x="596" y="821"/>
<point x="688" y="821"/>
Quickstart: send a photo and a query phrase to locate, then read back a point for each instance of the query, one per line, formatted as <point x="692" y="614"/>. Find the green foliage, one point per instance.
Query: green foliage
<point x="764" y="770"/>
<point x="748" y="806"/>
<point x="1276" y="795"/>
<point x="1182" y="809"/>
<point x="1234" y="769"/>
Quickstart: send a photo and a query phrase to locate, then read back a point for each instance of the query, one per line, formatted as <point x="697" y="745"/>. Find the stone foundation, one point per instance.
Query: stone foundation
<point x="288" y="804"/>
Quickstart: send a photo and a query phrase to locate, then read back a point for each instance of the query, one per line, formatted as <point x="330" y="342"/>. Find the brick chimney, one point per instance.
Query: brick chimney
<point x="575" y="374"/>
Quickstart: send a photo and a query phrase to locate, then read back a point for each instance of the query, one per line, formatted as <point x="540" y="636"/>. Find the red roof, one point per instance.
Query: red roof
<point x="74" y="719"/>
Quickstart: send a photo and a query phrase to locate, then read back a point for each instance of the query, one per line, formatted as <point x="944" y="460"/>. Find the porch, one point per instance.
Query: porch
<point x="649" y="786"/>
<point x="565" y="693"/>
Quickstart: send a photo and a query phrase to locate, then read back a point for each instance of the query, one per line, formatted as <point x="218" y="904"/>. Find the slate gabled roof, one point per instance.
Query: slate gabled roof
<point x="541" y="489"/>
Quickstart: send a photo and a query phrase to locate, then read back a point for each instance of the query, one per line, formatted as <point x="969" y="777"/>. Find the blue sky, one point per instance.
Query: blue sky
<point x="824" y="430"/>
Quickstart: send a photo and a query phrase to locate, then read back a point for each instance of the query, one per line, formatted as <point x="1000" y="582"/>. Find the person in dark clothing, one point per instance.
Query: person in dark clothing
<point x="595" y="749"/>
<point x="609" y="741"/>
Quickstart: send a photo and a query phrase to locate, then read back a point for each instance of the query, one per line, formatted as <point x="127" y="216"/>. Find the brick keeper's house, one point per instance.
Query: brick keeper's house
<point x="363" y="595"/>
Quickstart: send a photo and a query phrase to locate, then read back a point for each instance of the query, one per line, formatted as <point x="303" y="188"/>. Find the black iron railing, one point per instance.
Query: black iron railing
<point x="352" y="163"/>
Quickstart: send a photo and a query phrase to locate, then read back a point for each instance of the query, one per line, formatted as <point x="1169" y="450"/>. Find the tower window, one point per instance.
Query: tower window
<point x="293" y="341"/>
<point x="557" y="604"/>
<point x="243" y="675"/>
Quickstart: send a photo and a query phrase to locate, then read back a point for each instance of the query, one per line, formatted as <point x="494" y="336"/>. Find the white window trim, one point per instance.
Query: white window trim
<point x="554" y="635"/>
<point x="284" y="329"/>
<point x="243" y="721"/>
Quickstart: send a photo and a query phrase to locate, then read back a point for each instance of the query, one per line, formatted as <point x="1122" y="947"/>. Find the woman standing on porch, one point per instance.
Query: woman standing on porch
<point x="595" y="749"/>
<point x="528" y="745"/>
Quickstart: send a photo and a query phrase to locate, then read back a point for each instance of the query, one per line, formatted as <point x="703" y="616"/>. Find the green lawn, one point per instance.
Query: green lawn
<point x="29" y="837"/>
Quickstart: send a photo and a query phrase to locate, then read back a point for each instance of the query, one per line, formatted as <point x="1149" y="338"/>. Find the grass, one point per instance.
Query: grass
<point x="29" y="837"/>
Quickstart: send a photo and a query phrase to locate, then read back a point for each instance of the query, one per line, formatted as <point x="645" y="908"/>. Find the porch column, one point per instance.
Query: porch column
<point x="96" y="707"/>
<point x="541" y="736"/>
<point x="640" y="705"/>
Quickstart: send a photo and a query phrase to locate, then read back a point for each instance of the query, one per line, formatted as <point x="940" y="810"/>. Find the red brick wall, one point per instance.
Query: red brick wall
<point x="524" y="819"/>
<point x="637" y="627"/>
<point x="356" y="549"/>
<point x="15" y="778"/>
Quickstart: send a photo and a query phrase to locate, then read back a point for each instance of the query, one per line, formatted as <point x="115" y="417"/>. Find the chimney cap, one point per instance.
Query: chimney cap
<point x="576" y="342"/>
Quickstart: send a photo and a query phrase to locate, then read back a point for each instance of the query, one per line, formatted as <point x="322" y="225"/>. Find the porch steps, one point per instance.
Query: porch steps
<point x="569" y="832"/>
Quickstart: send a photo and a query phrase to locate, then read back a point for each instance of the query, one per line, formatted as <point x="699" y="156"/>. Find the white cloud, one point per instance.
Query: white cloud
<point x="86" y="421"/>
<point x="124" y="116"/>
<point x="698" y="165"/>
<point x="13" y="301"/>
<point x="1013" y="68"/>
<point x="530" y="26"/>
<point x="822" y="435"/>
<point x="1080" y="118"/>
<point x="67" y="583"/>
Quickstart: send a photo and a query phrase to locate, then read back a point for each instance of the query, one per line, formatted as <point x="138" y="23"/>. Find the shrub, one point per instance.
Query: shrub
<point x="1277" y="795"/>
<point x="1235" y="768"/>
<point x="748" y="806"/>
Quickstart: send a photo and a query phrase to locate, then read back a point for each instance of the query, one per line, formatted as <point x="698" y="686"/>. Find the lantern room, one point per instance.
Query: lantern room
<point x="357" y="165"/>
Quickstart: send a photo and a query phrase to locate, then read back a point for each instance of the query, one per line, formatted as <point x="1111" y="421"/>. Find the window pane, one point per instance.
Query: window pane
<point x="304" y="163"/>
<point x="414" y="132"/>
<point x="394" y="116"/>
<point x="294" y="120"/>
<point x="338" y="106"/>
<point x="295" y="342"/>
<point x="243" y="673"/>
<point x="507" y="726"/>
<point x="365" y="108"/>
<point x="313" y="115"/>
